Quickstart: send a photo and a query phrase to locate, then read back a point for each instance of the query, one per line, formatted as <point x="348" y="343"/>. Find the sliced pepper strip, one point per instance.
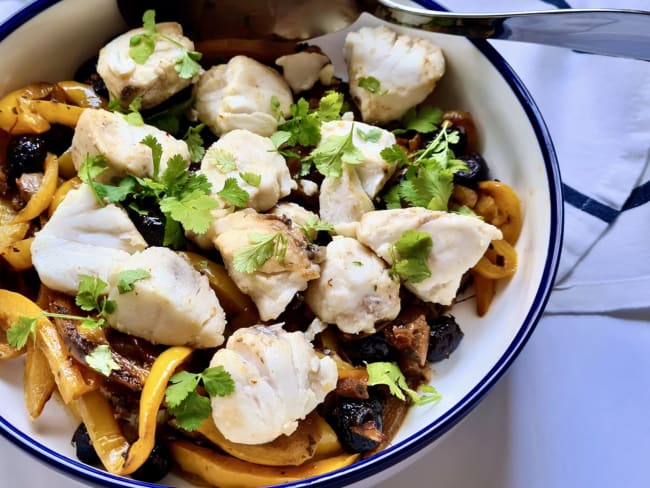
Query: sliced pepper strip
<point x="152" y="396"/>
<point x="61" y="192"/>
<point x="57" y="113"/>
<point x="42" y="198"/>
<point x="104" y="431"/>
<point x="81" y="94"/>
<point x="19" y="254"/>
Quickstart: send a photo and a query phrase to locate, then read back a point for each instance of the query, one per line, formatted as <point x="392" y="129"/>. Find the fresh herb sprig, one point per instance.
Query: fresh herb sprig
<point x="143" y="45"/>
<point x="188" y="406"/>
<point x="263" y="247"/>
<point x="183" y="197"/>
<point x="410" y="255"/>
<point x="429" y="178"/>
<point x="90" y="298"/>
<point x="389" y="374"/>
<point x="332" y="152"/>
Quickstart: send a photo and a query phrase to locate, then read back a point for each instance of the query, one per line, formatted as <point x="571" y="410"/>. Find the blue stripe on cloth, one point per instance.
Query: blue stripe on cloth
<point x="639" y="196"/>
<point x="558" y="3"/>
<point x="582" y="202"/>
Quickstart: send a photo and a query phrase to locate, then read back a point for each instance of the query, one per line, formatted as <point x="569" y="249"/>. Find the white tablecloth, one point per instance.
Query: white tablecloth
<point x="573" y="410"/>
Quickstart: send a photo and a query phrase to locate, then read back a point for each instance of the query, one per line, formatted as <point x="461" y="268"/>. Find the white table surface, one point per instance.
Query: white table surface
<point x="572" y="411"/>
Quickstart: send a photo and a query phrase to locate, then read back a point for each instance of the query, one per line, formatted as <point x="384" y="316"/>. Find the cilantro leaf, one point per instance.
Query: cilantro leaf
<point x="233" y="194"/>
<point x="149" y="21"/>
<point x="141" y="47"/>
<point x="156" y="152"/>
<point x="175" y="176"/>
<point x="192" y="411"/>
<point x="330" y="106"/>
<point x="372" y="135"/>
<point x="304" y="123"/>
<point x="395" y="154"/>
<point x="19" y="332"/>
<point x="280" y="137"/>
<point x="190" y="408"/>
<point x="371" y="84"/>
<point x="168" y="120"/>
<point x="223" y="160"/>
<point x="428" y="188"/>
<point x="187" y="65"/>
<point x="410" y="256"/>
<point x="89" y="293"/>
<point x="392" y="198"/>
<point x="192" y="210"/>
<point x="113" y="193"/>
<point x="126" y="279"/>
<point x="90" y="169"/>
<point x="312" y="226"/>
<point x="276" y="110"/>
<point x="101" y="360"/>
<point x="173" y="236"/>
<point x="249" y="259"/>
<point x="389" y="374"/>
<point x="252" y="179"/>
<point x="182" y="384"/>
<point x="465" y="210"/>
<point x="195" y="142"/>
<point x="425" y="120"/>
<point x="217" y="381"/>
<point x="331" y="153"/>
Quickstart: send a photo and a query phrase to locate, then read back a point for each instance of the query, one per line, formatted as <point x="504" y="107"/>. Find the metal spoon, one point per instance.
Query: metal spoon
<point x="612" y="32"/>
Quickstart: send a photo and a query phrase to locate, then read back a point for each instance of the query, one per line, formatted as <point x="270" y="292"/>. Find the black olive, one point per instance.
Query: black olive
<point x="358" y="423"/>
<point x="371" y="349"/>
<point x="150" y="222"/>
<point x="58" y="139"/>
<point x="477" y="171"/>
<point x="87" y="73"/>
<point x="156" y="467"/>
<point x="444" y="337"/>
<point x="25" y="154"/>
<point x="84" y="446"/>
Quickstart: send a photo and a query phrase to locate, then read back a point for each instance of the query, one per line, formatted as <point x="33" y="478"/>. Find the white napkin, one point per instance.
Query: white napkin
<point x="603" y="146"/>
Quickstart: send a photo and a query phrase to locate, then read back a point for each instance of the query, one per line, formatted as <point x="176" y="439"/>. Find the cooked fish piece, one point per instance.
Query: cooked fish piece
<point x="343" y="201"/>
<point x="174" y="306"/>
<point x="302" y="70"/>
<point x="240" y="95"/>
<point x="459" y="241"/>
<point x="296" y="214"/>
<point x="249" y="153"/>
<point x="373" y="172"/>
<point x="156" y="79"/>
<point x="109" y="134"/>
<point x="354" y="290"/>
<point x="406" y="69"/>
<point x="273" y="285"/>
<point x="83" y="237"/>
<point x="279" y="379"/>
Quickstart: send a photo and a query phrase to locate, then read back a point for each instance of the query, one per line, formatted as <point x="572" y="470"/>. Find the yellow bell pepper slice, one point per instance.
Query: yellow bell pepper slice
<point x="228" y="472"/>
<point x="104" y="431"/>
<point x="42" y="198"/>
<point x="39" y="383"/>
<point x="16" y="115"/>
<point x="61" y="192"/>
<point x="66" y="166"/>
<point x="81" y="95"/>
<point x="19" y="254"/>
<point x="57" y="113"/>
<point x="152" y="396"/>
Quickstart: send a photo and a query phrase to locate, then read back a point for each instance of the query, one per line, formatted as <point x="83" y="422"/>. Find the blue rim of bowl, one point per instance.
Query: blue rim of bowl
<point x="400" y="451"/>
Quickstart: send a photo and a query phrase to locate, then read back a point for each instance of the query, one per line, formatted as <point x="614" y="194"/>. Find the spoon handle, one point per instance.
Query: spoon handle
<point x="612" y="32"/>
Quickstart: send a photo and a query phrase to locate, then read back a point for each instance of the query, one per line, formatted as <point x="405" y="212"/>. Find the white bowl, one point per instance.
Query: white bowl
<point x="49" y="39"/>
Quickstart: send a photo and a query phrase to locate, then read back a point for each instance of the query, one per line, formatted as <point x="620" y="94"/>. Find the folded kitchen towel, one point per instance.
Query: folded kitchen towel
<point x="602" y="141"/>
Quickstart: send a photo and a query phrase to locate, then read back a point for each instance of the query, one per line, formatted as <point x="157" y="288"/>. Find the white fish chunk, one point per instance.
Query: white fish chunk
<point x="296" y="214"/>
<point x="302" y="70"/>
<point x="343" y="201"/>
<point x="83" y="237"/>
<point x="407" y="69"/>
<point x="373" y="172"/>
<point x="239" y="95"/>
<point x="459" y="241"/>
<point x="252" y="154"/>
<point x="279" y="379"/>
<point x="156" y="79"/>
<point x="354" y="290"/>
<point x="272" y="286"/>
<point x="175" y="306"/>
<point x="109" y="134"/>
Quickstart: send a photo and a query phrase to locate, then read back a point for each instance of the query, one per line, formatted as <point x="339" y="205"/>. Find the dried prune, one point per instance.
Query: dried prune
<point x="444" y="337"/>
<point x="477" y="170"/>
<point x="358" y="423"/>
